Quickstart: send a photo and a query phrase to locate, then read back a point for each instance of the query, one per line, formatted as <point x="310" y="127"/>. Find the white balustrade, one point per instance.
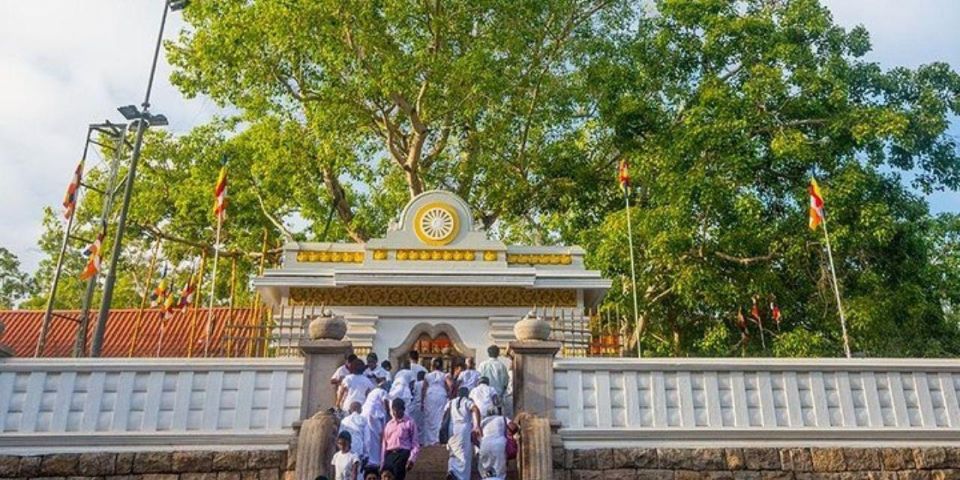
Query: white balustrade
<point x="624" y="402"/>
<point x="77" y="404"/>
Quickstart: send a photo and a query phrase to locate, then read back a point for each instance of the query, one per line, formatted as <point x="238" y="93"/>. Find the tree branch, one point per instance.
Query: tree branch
<point x="287" y="235"/>
<point x="339" y="199"/>
<point x="745" y="261"/>
<point x="156" y="233"/>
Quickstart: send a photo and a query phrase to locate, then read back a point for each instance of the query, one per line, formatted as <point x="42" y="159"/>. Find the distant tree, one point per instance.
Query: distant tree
<point x="15" y="285"/>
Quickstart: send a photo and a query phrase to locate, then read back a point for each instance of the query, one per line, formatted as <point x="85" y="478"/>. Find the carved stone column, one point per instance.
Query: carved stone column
<point x="323" y="353"/>
<point x="320" y="359"/>
<point x="533" y="356"/>
<point x="316" y="446"/>
<point x="535" y="461"/>
<point x="533" y="376"/>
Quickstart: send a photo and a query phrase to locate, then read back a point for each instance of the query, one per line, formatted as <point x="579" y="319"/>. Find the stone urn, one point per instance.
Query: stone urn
<point x="327" y="326"/>
<point x="531" y="328"/>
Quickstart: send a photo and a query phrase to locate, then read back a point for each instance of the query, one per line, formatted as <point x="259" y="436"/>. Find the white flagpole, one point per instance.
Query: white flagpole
<point x="213" y="286"/>
<point x="633" y="271"/>
<point x="836" y="289"/>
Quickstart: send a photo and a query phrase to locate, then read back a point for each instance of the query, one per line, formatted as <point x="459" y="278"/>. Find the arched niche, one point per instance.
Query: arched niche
<point x="460" y="349"/>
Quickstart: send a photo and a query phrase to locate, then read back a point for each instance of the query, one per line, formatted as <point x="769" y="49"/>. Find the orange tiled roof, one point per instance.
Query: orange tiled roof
<point x="23" y="328"/>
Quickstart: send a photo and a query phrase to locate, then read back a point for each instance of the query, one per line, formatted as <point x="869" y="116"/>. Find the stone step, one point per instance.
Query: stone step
<point x="432" y="465"/>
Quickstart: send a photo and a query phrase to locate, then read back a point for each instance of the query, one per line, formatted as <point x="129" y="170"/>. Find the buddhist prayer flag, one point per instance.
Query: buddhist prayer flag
<point x="755" y="313"/>
<point x="741" y="321"/>
<point x="70" y="198"/>
<point x="816" y="205"/>
<point x="220" y="195"/>
<point x="159" y="295"/>
<point x="775" y="314"/>
<point x="186" y="295"/>
<point x="623" y="174"/>
<point x="169" y="307"/>
<point x="94" y="251"/>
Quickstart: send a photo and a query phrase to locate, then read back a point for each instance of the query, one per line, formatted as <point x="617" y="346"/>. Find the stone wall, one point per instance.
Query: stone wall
<point x="930" y="463"/>
<point x="176" y="465"/>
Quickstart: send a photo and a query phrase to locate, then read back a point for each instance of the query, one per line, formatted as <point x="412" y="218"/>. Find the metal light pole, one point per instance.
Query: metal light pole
<point x="80" y="340"/>
<point x="112" y="131"/>
<point x="144" y="119"/>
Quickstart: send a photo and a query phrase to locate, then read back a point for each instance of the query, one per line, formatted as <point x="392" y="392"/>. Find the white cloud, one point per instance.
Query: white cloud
<point x="65" y="65"/>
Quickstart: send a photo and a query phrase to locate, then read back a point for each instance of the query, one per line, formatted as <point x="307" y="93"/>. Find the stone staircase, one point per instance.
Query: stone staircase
<point x="432" y="465"/>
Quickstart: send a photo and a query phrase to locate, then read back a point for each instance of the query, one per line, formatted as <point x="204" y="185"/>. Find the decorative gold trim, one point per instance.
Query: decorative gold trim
<point x="436" y="242"/>
<point x="379" y="254"/>
<point x="399" y="296"/>
<point x="435" y="255"/>
<point x="540" y="259"/>
<point x="329" y="257"/>
<point x="490" y="256"/>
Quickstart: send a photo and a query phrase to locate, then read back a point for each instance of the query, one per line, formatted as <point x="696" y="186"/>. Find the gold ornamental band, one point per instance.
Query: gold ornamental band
<point x="399" y="296"/>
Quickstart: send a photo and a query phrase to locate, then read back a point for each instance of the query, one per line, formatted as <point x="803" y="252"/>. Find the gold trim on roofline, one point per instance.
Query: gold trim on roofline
<point x="399" y="296"/>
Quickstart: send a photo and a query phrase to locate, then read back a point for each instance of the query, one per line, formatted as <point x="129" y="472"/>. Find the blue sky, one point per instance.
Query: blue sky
<point x="65" y="64"/>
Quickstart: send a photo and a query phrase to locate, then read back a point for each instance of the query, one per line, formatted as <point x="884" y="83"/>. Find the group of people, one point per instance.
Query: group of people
<point x="387" y="416"/>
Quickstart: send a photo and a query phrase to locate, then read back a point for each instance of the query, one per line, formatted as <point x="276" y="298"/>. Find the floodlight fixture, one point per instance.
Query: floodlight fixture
<point x="158" y="120"/>
<point x="177" y="5"/>
<point x="130" y="112"/>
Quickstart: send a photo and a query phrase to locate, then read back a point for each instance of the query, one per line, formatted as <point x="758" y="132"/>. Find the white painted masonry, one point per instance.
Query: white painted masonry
<point x="717" y="402"/>
<point x="76" y="404"/>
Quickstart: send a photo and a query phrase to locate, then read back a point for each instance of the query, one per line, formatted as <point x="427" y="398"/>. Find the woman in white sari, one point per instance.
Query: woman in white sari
<point x="493" y="446"/>
<point x="375" y="409"/>
<point x="464" y="423"/>
<point x="434" y="398"/>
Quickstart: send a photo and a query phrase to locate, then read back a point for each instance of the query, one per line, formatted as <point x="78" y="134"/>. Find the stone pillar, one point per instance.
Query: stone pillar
<point x="316" y="446"/>
<point x="533" y="355"/>
<point x="321" y="359"/>
<point x="535" y="461"/>
<point x="323" y="352"/>
<point x="533" y="376"/>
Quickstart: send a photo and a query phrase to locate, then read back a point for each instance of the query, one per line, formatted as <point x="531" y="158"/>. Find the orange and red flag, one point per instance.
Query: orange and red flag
<point x="623" y="174"/>
<point x="220" y="195"/>
<point x="95" y="251"/>
<point x="70" y="198"/>
<point x="816" y="205"/>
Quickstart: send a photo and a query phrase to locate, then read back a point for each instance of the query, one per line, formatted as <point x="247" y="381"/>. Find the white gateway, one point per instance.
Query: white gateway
<point x="435" y="283"/>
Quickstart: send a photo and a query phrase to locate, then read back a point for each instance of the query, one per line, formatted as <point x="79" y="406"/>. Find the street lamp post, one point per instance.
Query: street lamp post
<point x="144" y="119"/>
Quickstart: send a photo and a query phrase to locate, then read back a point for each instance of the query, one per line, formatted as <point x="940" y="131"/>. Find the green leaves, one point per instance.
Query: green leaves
<point x="741" y="103"/>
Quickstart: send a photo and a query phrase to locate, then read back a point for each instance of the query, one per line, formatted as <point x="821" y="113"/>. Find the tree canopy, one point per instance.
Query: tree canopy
<point x="724" y="110"/>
